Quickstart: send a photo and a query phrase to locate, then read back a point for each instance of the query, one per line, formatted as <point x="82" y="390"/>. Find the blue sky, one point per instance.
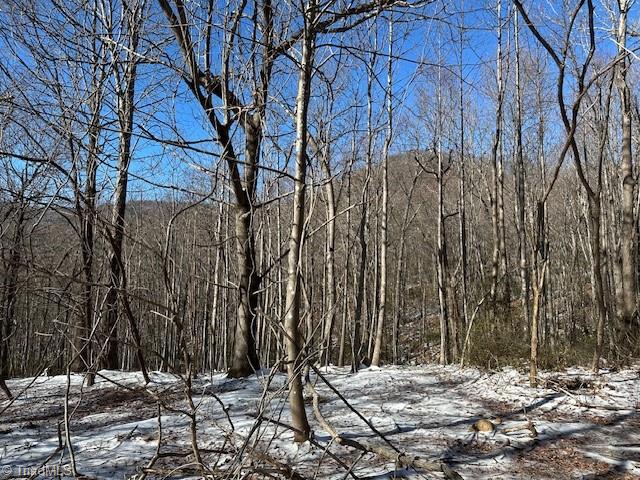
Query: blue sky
<point x="168" y="111"/>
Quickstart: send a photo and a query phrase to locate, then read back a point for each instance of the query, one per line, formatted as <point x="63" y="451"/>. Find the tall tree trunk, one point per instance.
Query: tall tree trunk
<point x="126" y="87"/>
<point x="296" y="241"/>
<point x="86" y="207"/>
<point x="10" y="294"/>
<point x="462" y="200"/>
<point x="87" y="214"/>
<point x="382" y="306"/>
<point x="628" y="247"/>
<point x="330" y="257"/>
<point x="357" y="331"/>
<point x="447" y="328"/>
<point x="538" y="274"/>
<point x="533" y="361"/>
<point x="520" y="190"/>
<point x="570" y="123"/>
<point x="400" y="269"/>
<point x="218" y="341"/>
<point x="442" y="259"/>
<point x="245" y="358"/>
<point x="347" y="264"/>
<point x="594" y="215"/>
<point x="497" y="210"/>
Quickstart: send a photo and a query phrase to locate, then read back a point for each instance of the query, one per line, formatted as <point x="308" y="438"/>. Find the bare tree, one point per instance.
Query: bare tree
<point x="570" y="123"/>
<point x="125" y="77"/>
<point x="497" y="200"/>
<point x="521" y="198"/>
<point x="205" y="85"/>
<point x="296" y="238"/>
<point x="629" y="237"/>
<point x="382" y="304"/>
<point x="86" y="203"/>
<point x="14" y="223"/>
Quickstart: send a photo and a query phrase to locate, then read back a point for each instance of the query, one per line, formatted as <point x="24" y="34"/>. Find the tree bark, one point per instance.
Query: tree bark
<point x="330" y="258"/>
<point x="521" y="191"/>
<point x="628" y="247"/>
<point x="356" y="342"/>
<point x="86" y="207"/>
<point x="445" y="333"/>
<point x="400" y="269"/>
<point x="382" y="306"/>
<point x="126" y="87"/>
<point x="596" y="277"/>
<point x="10" y="293"/>
<point x="497" y="209"/>
<point x="462" y="200"/>
<point x="296" y="241"/>
<point x="245" y="358"/>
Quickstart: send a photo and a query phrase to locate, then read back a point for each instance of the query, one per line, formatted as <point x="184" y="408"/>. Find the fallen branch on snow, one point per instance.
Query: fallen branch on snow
<point x="401" y="459"/>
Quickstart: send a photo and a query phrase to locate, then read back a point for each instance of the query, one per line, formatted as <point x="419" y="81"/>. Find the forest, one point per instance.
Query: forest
<point x="319" y="239"/>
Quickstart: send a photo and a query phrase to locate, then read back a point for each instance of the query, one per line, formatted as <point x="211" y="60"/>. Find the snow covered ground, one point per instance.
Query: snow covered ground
<point x="578" y="426"/>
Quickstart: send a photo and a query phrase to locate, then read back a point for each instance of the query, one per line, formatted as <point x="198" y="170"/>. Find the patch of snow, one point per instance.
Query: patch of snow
<point x="427" y="410"/>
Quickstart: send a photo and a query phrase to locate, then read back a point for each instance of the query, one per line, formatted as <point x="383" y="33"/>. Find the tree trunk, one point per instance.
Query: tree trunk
<point x="596" y="277"/>
<point x="294" y="343"/>
<point x="533" y="362"/>
<point x="539" y="255"/>
<point x="442" y="270"/>
<point x="10" y="295"/>
<point x="382" y="306"/>
<point x="628" y="247"/>
<point x="356" y="342"/>
<point x="497" y="210"/>
<point x="112" y="358"/>
<point x="87" y="213"/>
<point x="462" y="201"/>
<point x="125" y="87"/>
<point x="521" y="192"/>
<point x="245" y="358"/>
<point x="331" y="301"/>
<point x="400" y="269"/>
